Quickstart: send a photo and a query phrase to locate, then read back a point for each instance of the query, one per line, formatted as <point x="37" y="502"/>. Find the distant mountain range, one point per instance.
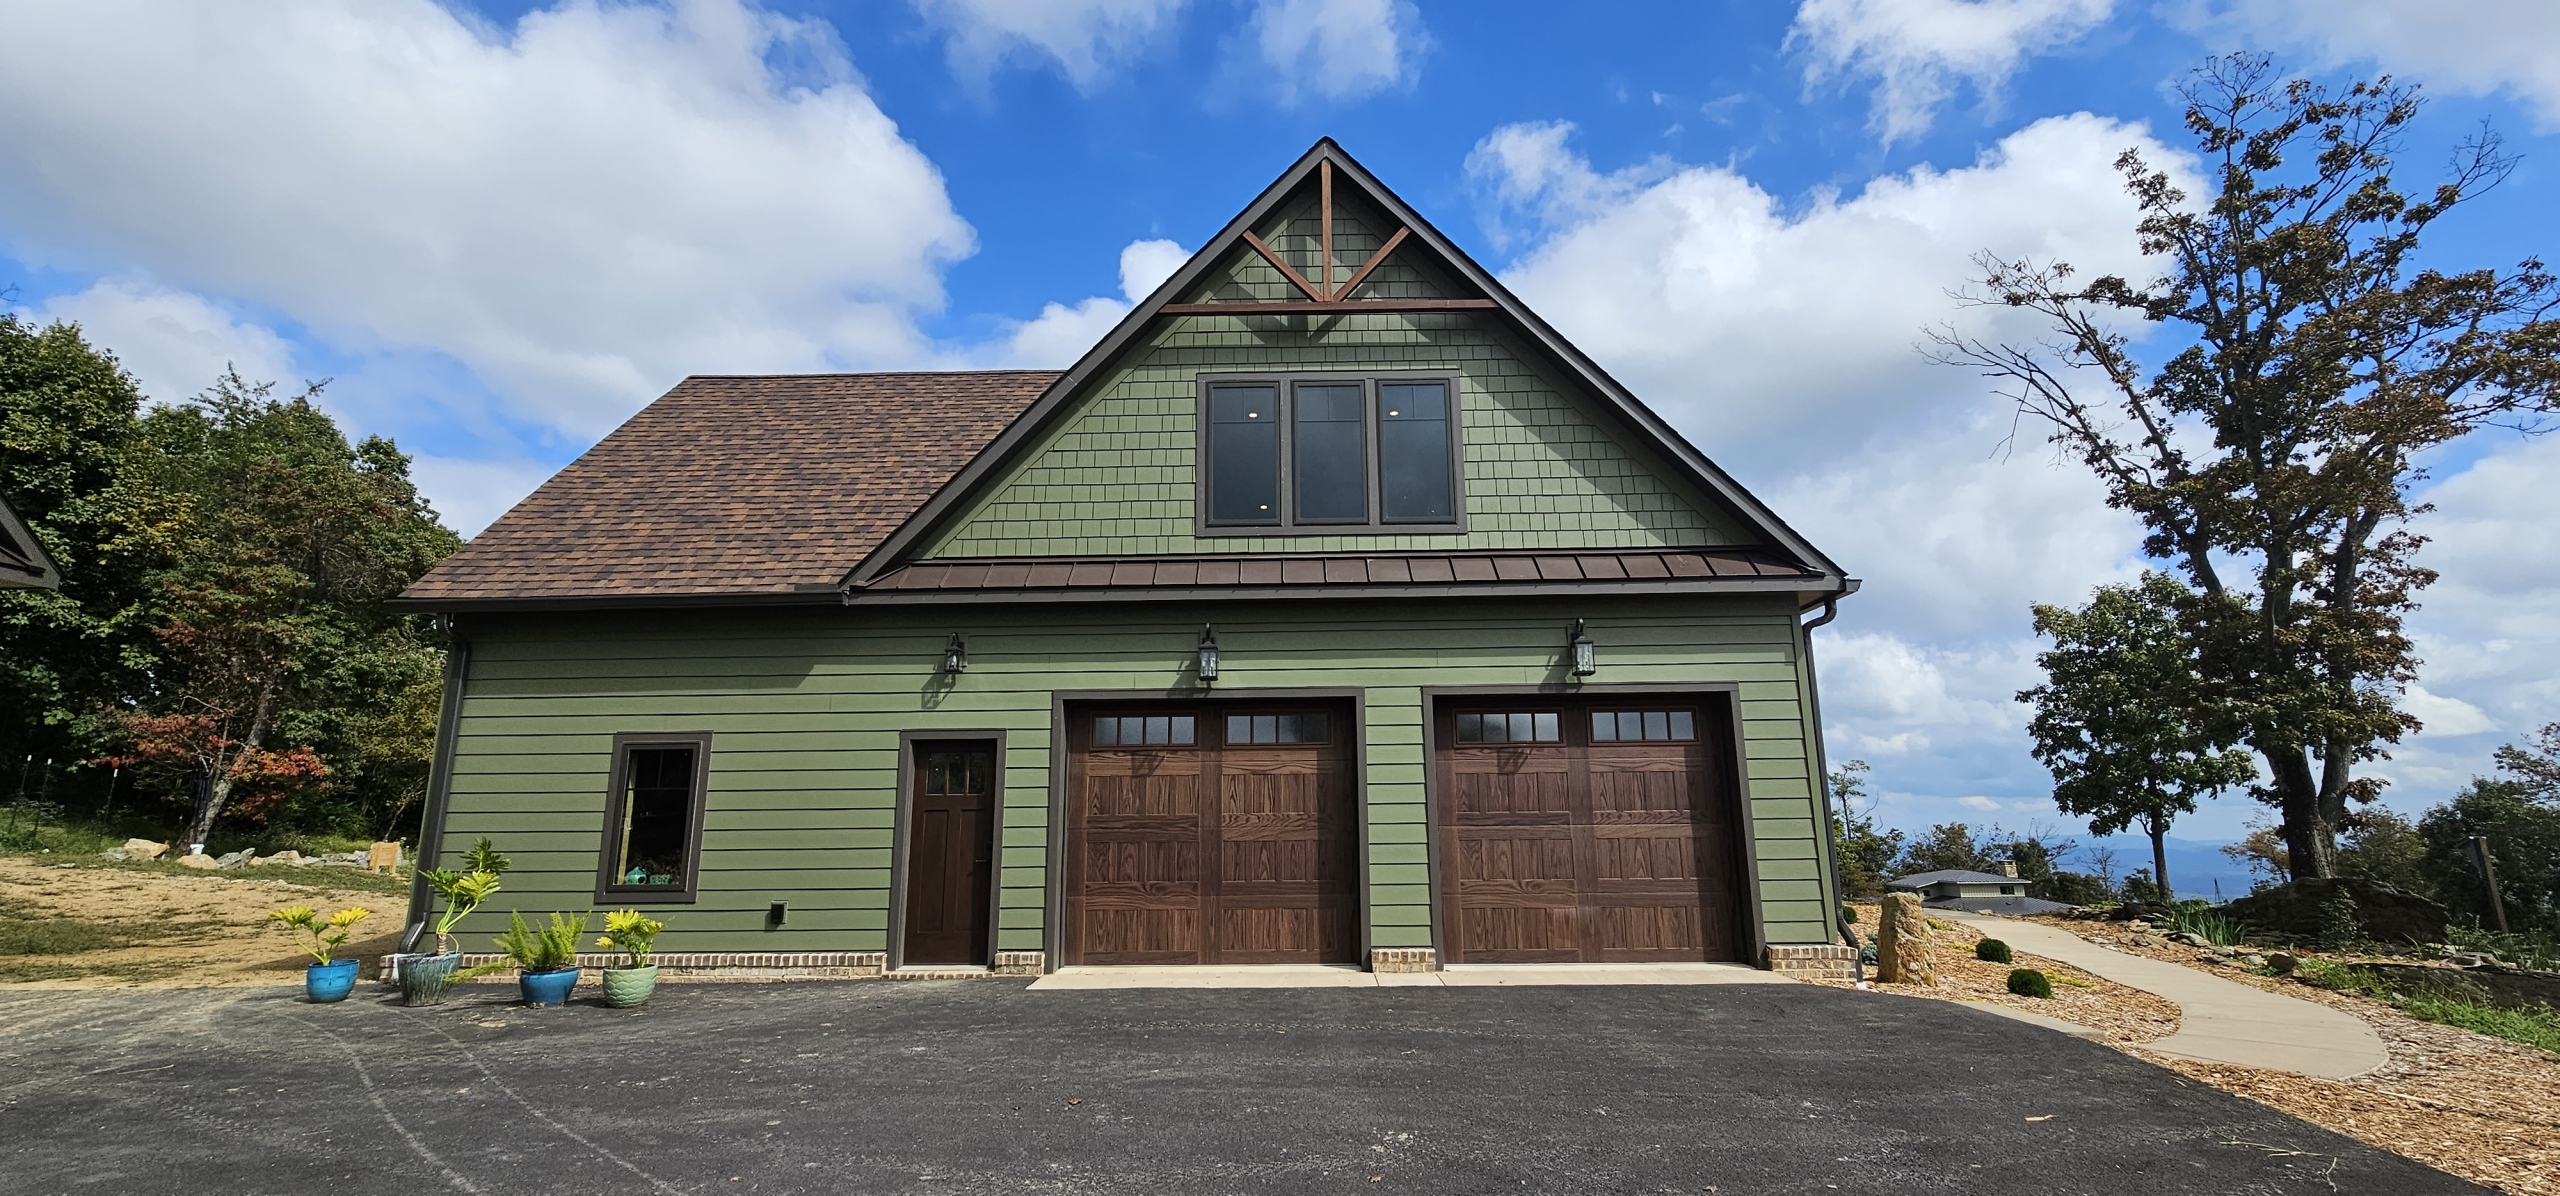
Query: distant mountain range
<point x="2194" y="868"/>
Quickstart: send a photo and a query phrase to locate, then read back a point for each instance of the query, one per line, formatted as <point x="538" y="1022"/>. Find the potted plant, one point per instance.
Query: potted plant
<point x="633" y="933"/>
<point x="424" y="977"/>
<point x="547" y="959"/>
<point x="327" y="980"/>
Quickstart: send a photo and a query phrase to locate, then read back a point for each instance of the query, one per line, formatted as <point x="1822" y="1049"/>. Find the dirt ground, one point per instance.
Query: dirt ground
<point x="2482" y="1108"/>
<point x="191" y="930"/>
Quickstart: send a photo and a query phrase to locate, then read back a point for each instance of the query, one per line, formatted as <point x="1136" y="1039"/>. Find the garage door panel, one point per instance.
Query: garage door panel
<point x="1213" y="852"/>
<point x="1589" y="847"/>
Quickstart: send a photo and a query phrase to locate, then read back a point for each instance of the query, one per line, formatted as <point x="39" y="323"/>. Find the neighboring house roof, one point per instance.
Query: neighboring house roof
<point x="1999" y="905"/>
<point x="23" y="564"/>
<point x="736" y="488"/>
<point x="1922" y="880"/>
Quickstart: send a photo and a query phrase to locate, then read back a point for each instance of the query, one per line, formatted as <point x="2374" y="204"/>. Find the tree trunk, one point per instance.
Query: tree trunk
<point x="2160" y="858"/>
<point x="200" y="828"/>
<point x="2308" y="845"/>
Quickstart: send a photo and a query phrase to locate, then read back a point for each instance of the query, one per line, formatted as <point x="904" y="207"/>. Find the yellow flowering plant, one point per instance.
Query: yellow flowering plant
<point x="631" y="932"/>
<point x="320" y="936"/>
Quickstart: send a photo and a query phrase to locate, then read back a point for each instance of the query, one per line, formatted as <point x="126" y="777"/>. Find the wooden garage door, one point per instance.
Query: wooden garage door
<point x="1589" y="831"/>
<point x="1210" y="834"/>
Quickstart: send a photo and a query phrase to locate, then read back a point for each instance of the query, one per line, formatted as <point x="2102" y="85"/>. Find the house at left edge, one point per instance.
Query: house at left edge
<point x="1332" y="609"/>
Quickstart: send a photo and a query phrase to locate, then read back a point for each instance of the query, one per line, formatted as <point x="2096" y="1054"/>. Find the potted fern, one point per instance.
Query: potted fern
<point x="426" y="978"/>
<point x="327" y="980"/>
<point x="634" y="934"/>
<point x="547" y="959"/>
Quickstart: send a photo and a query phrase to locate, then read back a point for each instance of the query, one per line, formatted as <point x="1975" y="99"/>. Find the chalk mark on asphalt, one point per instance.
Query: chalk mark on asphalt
<point x="373" y="1092"/>
<point x="547" y="1119"/>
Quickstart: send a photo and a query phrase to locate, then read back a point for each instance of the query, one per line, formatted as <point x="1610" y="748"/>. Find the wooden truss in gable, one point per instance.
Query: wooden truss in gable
<point x="1321" y="294"/>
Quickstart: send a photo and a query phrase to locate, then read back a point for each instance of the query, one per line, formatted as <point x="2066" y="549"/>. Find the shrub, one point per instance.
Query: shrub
<point x="549" y="949"/>
<point x="2218" y="929"/>
<point x="2028" y="982"/>
<point x="1992" y="951"/>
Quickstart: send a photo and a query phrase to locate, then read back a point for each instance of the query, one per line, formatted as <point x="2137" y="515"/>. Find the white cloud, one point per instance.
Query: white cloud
<point x="1338" y="49"/>
<point x="1144" y="265"/>
<point x="173" y="343"/>
<point x="1979" y="802"/>
<point x="1085" y="38"/>
<point x="1062" y="332"/>
<point x="580" y="209"/>
<point x="1917" y="51"/>
<point x="2444" y="716"/>
<point x="2478" y="47"/>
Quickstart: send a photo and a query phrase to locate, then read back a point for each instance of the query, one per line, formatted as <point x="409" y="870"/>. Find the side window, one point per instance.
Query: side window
<point x="1413" y="452"/>
<point x="1244" y="454"/>
<point x="653" y="828"/>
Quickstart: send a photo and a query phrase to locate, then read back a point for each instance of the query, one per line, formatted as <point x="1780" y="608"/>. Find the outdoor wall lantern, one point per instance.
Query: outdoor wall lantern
<point x="955" y="655"/>
<point x="1208" y="654"/>
<point x="1586" y="656"/>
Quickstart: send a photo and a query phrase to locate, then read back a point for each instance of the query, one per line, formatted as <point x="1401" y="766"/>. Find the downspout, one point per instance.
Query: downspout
<point x="457" y="669"/>
<point x="1822" y="788"/>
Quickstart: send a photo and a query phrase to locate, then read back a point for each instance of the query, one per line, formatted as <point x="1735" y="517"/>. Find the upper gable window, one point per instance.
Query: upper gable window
<point x="1329" y="453"/>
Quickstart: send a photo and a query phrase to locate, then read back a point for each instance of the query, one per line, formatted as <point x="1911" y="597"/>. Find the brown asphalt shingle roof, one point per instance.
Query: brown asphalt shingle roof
<point x="738" y="486"/>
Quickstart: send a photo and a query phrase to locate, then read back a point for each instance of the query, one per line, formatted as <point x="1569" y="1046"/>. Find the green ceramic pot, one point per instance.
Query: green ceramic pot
<point x="626" y="987"/>
<point x="425" y="979"/>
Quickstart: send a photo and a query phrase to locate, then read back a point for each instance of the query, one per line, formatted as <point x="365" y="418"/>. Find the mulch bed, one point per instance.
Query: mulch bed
<point x="2127" y="1016"/>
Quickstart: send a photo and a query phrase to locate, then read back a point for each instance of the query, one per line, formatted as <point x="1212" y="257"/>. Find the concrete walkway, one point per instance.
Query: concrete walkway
<point x="1454" y="976"/>
<point x="2222" y="1021"/>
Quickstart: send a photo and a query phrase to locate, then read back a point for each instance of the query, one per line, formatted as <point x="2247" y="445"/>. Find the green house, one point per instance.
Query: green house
<point x="1333" y="609"/>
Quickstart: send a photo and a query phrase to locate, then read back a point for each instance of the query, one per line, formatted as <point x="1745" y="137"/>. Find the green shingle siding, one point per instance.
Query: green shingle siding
<point x="1117" y="477"/>
<point x="806" y="707"/>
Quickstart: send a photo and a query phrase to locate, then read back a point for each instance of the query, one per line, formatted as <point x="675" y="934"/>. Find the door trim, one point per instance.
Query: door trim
<point x="901" y="823"/>
<point x="1054" y="897"/>
<point x="1739" y="773"/>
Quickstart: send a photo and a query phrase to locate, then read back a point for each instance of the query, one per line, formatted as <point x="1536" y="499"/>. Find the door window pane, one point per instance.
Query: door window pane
<point x="1545" y="726"/>
<point x="1329" y="453"/>
<point x="1413" y="450"/>
<point x="1276" y="728"/>
<point x="1635" y="725"/>
<point x="1143" y="730"/>
<point x="1244" y="454"/>
<point x="657" y="817"/>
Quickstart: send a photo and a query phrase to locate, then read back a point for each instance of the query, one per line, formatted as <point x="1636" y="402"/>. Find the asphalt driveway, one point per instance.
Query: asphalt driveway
<point x="978" y="1086"/>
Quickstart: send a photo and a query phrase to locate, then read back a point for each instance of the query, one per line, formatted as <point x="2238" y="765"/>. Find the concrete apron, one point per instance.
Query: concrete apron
<point x="1452" y="976"/>
<point x="2221" y="1021"/>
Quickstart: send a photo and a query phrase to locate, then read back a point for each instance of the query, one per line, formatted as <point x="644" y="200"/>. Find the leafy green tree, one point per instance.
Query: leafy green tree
<point x="68" y="423"/>
<point x="2115" y="723"/>
<point x="2386" y="847"/>
<point x="2520" y="814"/>
<point x="2271" y="456"/>
<point x="275" y="651"/>
<point x="1861" y="851"/>
<point x="1948" y="845"/>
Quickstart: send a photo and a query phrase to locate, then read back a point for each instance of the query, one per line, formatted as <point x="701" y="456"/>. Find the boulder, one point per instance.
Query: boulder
<point x="2387" y="915"/>
<point x="199" y="860"/>
<point x="287" y="856"/>
<point x="143" y="849"/>
<point x="235" y="859"/>
<point x="1904" y="952"/>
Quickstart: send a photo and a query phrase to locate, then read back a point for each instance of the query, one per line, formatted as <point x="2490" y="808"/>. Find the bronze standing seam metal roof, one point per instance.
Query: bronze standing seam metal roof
<point x="737" y="486"/>
<point x="1408" y="569"/>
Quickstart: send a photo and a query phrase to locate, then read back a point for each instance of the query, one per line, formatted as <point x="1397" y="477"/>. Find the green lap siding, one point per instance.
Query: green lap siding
<point x="806" y="707"/>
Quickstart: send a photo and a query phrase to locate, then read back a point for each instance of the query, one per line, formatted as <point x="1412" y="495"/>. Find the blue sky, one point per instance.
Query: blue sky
<point x="502" y="228"/>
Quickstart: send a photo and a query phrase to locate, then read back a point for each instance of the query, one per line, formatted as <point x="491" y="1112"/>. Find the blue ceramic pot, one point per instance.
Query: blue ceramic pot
<point x="328" y="982"/>
<point x="547" y="988"/>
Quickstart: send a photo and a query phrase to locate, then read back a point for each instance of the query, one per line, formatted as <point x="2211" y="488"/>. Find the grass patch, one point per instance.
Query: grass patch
<point x="2448" y="999"/>
<point x="14" y="970"/>
<point x="21" y="935"/>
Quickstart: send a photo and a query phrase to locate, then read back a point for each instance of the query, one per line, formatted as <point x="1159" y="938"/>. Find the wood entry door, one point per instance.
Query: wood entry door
<point x="1599" y="830"/>
<point x="1210" y="834"/>
<point x="951" y="853"/>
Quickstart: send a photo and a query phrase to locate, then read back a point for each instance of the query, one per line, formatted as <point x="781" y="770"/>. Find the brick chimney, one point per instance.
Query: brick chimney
<point x="2009" y="868"/>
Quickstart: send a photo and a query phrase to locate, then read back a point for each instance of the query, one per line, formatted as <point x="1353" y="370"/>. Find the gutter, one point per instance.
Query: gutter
<point x="1822" y="776"/>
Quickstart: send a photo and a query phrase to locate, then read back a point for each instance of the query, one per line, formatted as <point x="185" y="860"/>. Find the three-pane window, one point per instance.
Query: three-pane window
<point x="1330" y="453"/>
